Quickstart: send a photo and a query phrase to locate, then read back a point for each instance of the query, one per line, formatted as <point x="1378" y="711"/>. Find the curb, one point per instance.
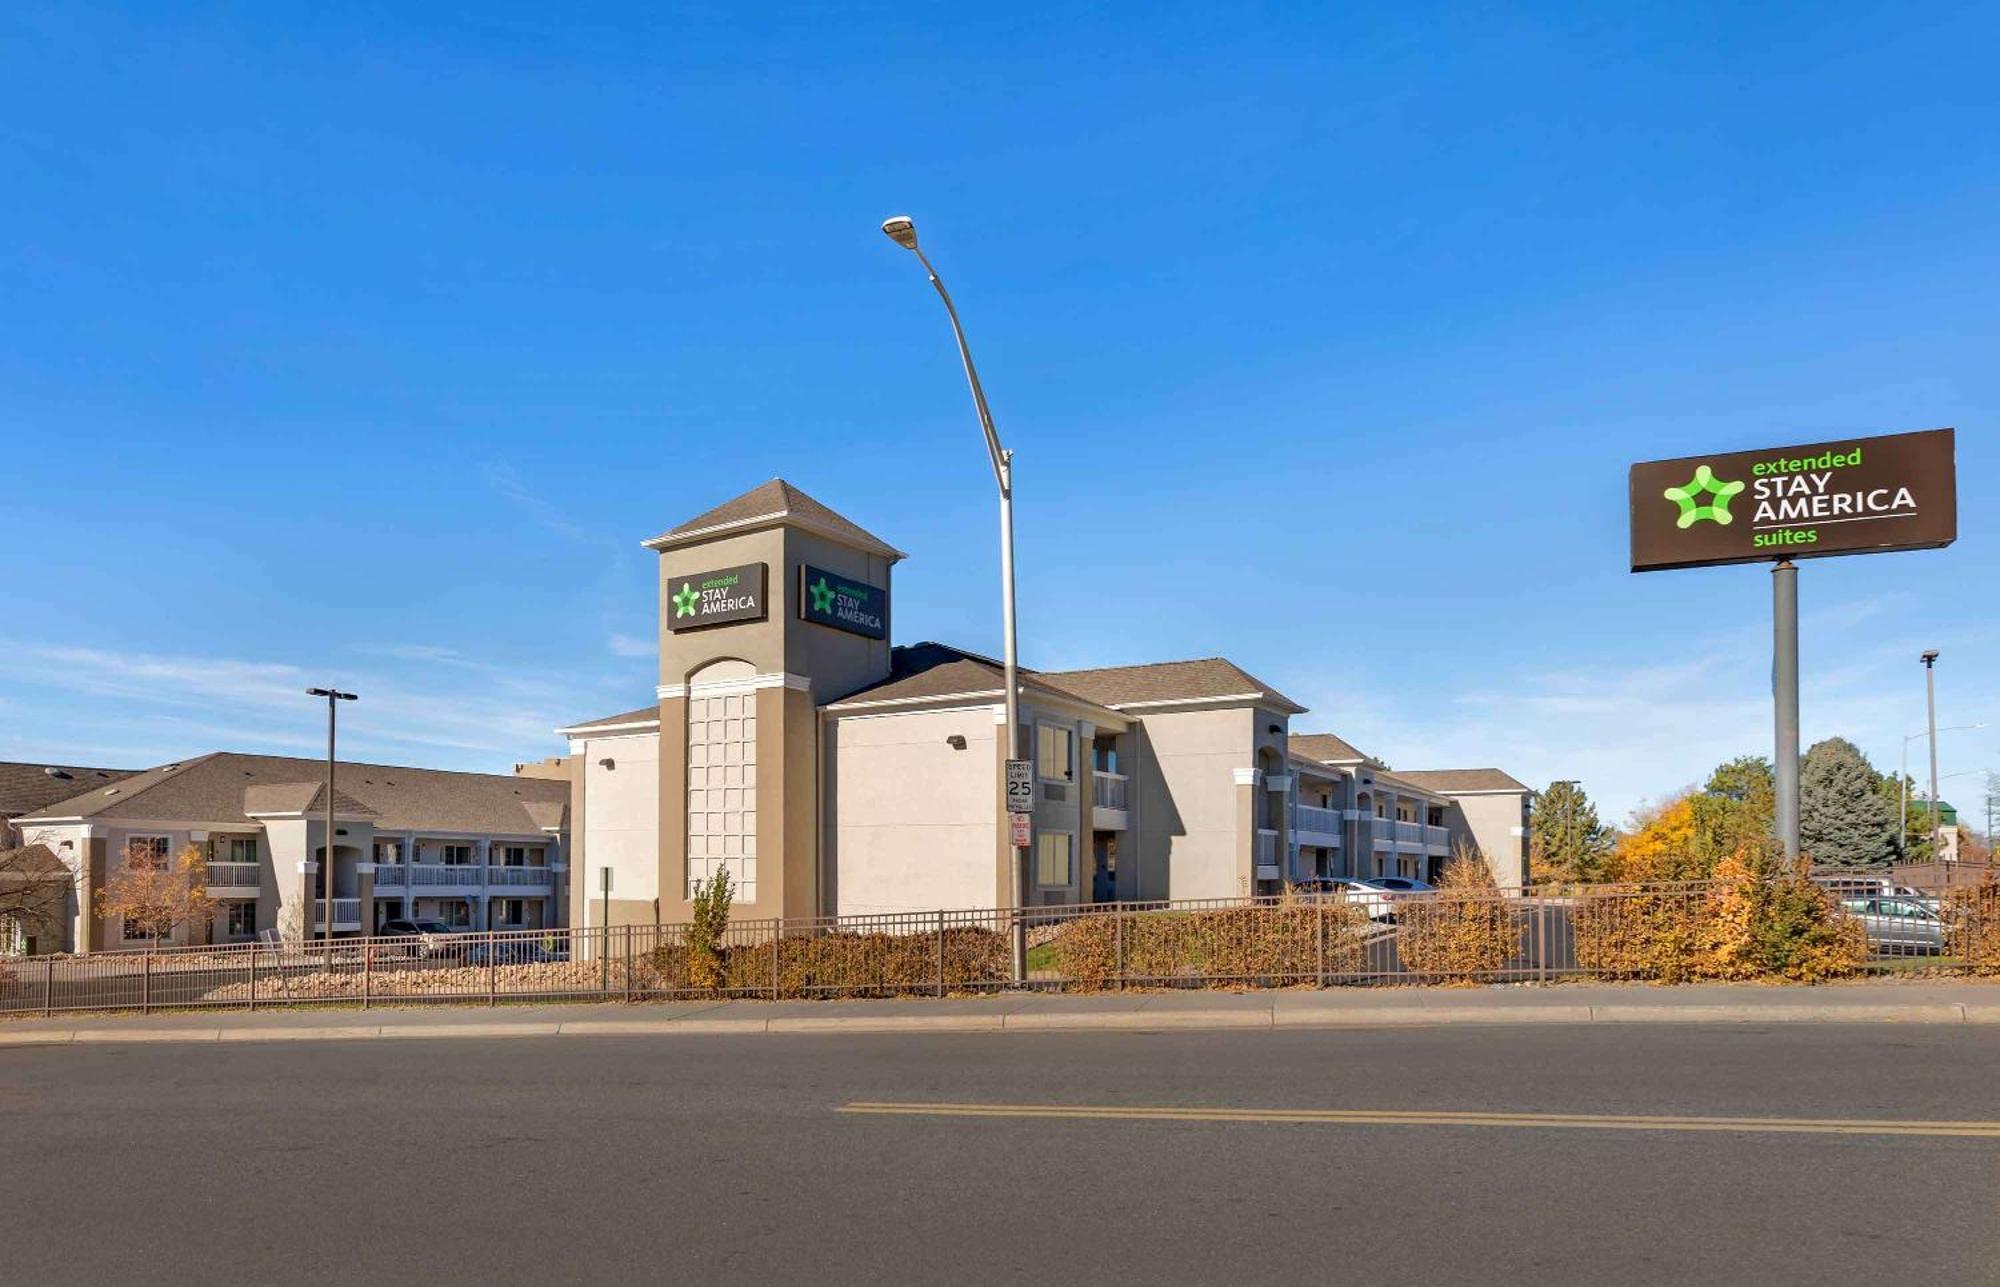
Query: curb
<point x="1137" y="1021"/>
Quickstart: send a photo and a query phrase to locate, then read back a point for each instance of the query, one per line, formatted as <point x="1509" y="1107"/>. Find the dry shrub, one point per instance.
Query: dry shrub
<point x="1284" y="941"/>
<point x="1464" y="932"/>
<point x="1972" y="925"/>
<point x="883" y="964"/>
<point x="1754" y="920"/>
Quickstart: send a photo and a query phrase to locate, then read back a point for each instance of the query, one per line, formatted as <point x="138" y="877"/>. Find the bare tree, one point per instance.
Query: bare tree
<point x="34" y="884"/>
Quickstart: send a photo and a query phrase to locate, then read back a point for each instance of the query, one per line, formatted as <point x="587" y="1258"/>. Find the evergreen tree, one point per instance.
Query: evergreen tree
<point x="1566" y="841"/>
<point x="1844" y="821"/>
<point x="1898" y="792"/>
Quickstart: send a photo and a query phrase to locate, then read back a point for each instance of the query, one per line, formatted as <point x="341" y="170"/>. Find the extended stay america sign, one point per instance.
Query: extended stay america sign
<point x="1851" y="496"/>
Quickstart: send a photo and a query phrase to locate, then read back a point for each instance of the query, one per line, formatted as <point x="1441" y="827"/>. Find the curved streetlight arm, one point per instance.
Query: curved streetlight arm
<point x="1002" y="458"/>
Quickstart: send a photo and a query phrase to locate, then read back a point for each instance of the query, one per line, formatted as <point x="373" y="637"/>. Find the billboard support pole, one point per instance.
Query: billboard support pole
<point x="1785" y="702"/>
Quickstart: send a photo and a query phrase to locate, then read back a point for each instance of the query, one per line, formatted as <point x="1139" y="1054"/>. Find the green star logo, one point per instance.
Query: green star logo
<point x="822" y="594"/>
<point x="1688" y="497"/>
<point x="685" y="600"/>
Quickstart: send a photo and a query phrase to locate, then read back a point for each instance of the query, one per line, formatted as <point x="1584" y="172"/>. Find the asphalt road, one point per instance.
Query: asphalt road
<point x="722" y="1159"/>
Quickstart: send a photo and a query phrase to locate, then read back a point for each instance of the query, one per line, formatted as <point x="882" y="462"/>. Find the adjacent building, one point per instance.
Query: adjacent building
<point x="831" y="772"/>
<point x="475" y="850"/>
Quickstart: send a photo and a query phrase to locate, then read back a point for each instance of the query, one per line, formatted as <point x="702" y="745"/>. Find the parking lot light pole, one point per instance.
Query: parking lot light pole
<point x="902" y="230"/>
<point x="1903" y="786"/>
<point x="333" y="699"/>
<point x="1930" y="721"/>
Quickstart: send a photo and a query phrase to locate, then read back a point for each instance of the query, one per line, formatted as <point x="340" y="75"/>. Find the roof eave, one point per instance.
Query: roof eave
<point x="776" y="518"/>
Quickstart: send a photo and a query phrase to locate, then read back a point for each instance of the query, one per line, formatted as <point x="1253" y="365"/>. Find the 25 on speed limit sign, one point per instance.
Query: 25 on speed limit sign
<point x="1020" y="787"/>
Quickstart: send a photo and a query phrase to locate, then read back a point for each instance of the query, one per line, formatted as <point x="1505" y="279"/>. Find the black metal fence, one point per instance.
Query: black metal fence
<point x="1608" y="932"/>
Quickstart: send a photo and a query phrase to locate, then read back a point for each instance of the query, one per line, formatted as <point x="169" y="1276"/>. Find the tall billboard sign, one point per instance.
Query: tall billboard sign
<point x="1869" y="495"/>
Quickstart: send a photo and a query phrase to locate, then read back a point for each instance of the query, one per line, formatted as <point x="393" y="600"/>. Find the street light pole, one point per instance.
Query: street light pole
<point x="1903" y="787"/>
<point x="902" y="230"/>
<point x="333" y="699"/>
<point x="1930" y="721"/>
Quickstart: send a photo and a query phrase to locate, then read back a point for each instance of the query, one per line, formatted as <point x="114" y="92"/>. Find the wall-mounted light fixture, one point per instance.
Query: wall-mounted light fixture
<point x="956" y="741"/>
<point x="607" y="763"/>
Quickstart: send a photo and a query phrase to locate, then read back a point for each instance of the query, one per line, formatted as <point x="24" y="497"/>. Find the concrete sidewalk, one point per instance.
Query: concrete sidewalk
<point x="1942" y="1002"/>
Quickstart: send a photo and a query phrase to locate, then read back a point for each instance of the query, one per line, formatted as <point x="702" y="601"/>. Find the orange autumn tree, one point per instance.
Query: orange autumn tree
<point x="153" y="893"/>
<point x="1661" y="848"/>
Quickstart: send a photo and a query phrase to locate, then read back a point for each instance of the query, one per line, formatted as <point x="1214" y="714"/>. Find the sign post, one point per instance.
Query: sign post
<point x="1855" y="496"/>
<point x="604" y="883"/>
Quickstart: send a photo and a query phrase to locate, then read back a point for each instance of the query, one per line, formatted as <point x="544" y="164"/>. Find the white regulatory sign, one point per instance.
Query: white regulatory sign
<point x="1020" y="786"/>
<point x="1017" y="829"/>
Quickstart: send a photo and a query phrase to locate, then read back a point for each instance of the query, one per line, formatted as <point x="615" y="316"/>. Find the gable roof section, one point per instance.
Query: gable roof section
<point x="769" y="504"/>
<point x="1326" y="748"/>
<point x="643" y="715"/>
<point x="301" y="797"/>
<point x="219" y="788"/>
<point x="918" y="672"/>
<point x="26" y="787"/>
<point x="1162" y="683"/>
<point x="1452" y="781"/>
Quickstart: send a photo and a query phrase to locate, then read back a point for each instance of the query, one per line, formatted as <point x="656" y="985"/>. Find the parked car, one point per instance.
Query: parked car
<point x="1376" y="900"/>
<point x="1403" y="884"/>
<point x="511" y="951"/>
<point x="1900" y="926"/>
<point x="431" y="938"/>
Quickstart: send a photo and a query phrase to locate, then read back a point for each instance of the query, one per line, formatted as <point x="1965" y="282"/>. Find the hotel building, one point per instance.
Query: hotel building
<point x="831" y="772"/>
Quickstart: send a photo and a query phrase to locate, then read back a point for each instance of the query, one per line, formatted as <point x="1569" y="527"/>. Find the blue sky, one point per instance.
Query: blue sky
<point x="364" y="343"/>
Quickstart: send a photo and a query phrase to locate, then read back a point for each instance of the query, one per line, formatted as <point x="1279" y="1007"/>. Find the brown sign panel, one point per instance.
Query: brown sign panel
<point x="1851" y="496"/>
<point x="722" y="597"/>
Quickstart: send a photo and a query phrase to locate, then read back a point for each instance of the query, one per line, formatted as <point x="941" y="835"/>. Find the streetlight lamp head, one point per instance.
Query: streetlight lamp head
<point x="902" y="230"/>
<point x="1930" y="655"/>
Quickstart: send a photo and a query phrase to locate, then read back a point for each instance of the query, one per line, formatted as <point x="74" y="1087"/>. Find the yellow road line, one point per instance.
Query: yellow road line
<point x="1402" y="1117"/>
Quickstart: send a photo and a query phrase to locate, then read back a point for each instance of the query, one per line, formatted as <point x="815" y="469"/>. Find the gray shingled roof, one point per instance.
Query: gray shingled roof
<point x="213" y="788"/>
<point x="1324" y="747"/>
<point x="1167" y="681"/>
<point x="939" y="670"/>
<point x="638" y="716"/>
<point x="302" y="797"/>
<point x="25" y="787"/>
<point x="775" y="501"/>
<point x="1450" y="780"/>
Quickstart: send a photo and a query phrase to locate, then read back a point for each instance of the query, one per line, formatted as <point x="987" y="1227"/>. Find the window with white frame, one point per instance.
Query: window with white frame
<point x="457" y="855"/>
<point x="242" y="920"/>
<point x="1052" y="859"/>
<point x="145" y="851"/>
<point x="508" y="912"/>
<point x="236" y="849"/>
<point x="1055" y="751"/>
<point x="722" y="791"/>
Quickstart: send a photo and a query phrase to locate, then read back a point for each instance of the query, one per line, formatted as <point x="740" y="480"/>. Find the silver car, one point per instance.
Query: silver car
<point x="1898" y="926"/>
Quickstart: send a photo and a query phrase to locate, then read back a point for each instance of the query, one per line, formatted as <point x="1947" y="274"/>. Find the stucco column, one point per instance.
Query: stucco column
<point x="364" y="889"/>
<point x="90" y="879"/>
<point x="1247" y="784"/>
<point x="307" y="892"/>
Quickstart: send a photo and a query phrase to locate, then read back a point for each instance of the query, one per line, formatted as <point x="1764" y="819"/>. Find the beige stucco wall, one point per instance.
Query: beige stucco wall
<point x="914" y="824"/>
<point x="1189" y="802"/>
<point x="1496" y="825"/>
<point x="621" y="824"/>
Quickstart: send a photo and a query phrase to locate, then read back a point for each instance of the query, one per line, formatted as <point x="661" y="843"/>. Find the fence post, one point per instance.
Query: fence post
<point x="940" y="972"/>
<point x="492" y="965"/>
<point x="49" y="989"/>
<point x="253" y="976"/>
<point x="604" y="959"/>
<point x="1118" y="944"/>
<point x="777" y="936"/>
<point x="1319" y="941"/>
<point x="628" y="961"/>
<point x="146" y="980"/>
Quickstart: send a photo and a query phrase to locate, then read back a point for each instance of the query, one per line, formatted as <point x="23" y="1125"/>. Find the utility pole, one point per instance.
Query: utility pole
<point x="333" y="699"/>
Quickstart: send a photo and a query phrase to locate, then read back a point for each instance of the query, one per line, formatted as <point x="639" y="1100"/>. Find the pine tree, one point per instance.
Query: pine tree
<point x="1843" y="819"/>
<point x="1566" y="841"/>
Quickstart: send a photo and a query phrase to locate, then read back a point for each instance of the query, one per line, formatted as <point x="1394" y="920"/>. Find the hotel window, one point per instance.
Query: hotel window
<point x="236" y="849"/>
<point x="458" y="855"/>
<point x="515" y="856"/>
<point x="722" y="791"/>
<point x="132" y="930"/>
<point x="145" y="851"/>
<point x="1052" y="855"/>
<point x="1055" y="751"/>
<point x="508" y="912"/>
<point x="242" y="921"/>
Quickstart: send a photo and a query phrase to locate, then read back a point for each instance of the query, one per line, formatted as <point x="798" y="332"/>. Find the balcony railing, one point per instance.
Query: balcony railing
<point x="1409" y="833"/>
<point x="346" y="913"/>
<point x="235" y="874"/>
<point x="1316" y="818"/>
<point x="1107" y="790"/>
<point x="1383" y="830"/>
<point x="431" y="875"/>
<point x="1437" y="837"/>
